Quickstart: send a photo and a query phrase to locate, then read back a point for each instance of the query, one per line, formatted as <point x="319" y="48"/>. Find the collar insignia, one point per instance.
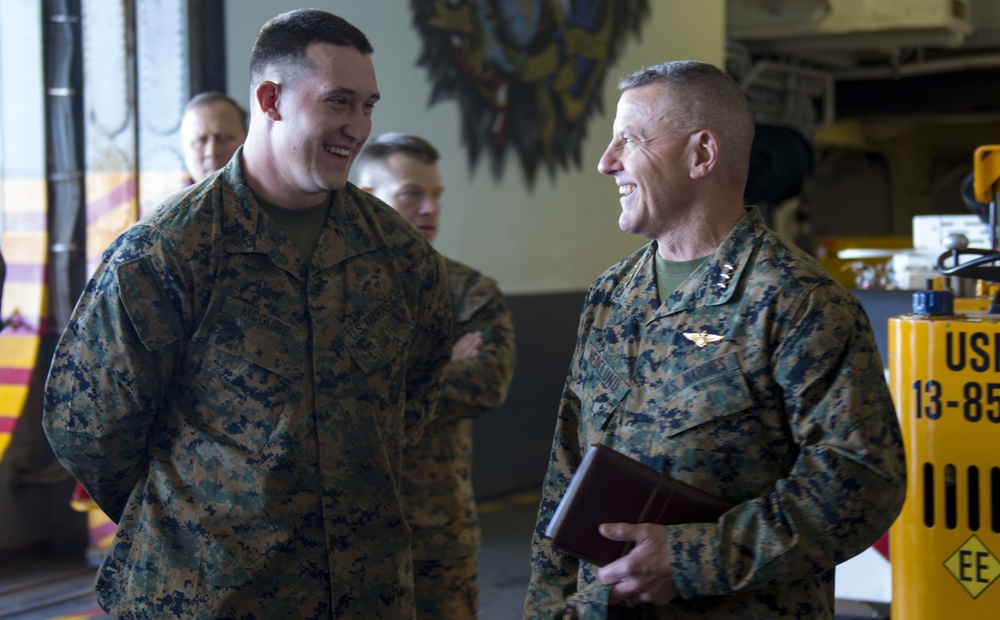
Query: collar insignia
<point x="726" y="270"/>
<point x="700" y="339"/>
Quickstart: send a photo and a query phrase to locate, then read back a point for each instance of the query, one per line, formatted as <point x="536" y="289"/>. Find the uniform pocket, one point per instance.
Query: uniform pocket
<point x="147" y="304"/>
<point x="363" y="376"/>
<point x="249" y="377"/>
<point x="712" y="390"/>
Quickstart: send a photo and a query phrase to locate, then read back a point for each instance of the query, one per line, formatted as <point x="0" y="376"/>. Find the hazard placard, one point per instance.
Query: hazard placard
<point x="974" y="566"/>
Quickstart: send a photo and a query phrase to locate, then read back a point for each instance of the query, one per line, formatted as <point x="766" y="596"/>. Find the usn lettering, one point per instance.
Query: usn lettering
<point x="975" y="351"/>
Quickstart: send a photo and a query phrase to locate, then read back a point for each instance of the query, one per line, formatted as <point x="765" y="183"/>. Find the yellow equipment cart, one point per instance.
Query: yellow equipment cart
<point x="944" y="373"/>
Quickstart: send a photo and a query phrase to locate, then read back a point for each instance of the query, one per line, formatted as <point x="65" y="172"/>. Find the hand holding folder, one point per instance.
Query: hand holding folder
<point x="610" y="487"/>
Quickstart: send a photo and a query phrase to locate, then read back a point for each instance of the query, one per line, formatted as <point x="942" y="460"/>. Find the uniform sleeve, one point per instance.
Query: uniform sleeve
<point x="430" y="350"/>
<point x="554" y="574"/>
<point x="478" y="384"/>
<point x="847" y="484"/>
<point x="109" y="373"/>
<point x="552" y="588"/>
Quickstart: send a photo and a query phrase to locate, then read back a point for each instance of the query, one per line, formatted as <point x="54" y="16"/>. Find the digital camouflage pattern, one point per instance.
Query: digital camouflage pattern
<point x="447" y="588"/>
<point x="787" y="415"/>
<point x="242" y="415"/>
<point x="437" y="473"/>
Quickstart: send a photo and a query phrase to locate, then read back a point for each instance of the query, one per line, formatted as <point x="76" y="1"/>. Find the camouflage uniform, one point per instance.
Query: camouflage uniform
<point x="787" y="415"/>
<point x="242" y="414"/>
<point x="437" y="476"/>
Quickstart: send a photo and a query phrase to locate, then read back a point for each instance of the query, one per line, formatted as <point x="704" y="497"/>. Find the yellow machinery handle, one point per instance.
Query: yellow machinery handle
<point x="986" y="172"/>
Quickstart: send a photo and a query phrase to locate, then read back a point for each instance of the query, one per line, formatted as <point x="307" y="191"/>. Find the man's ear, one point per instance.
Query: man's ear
<point x="704" y="153"/>
<point x="266" y="98"/>
<point x="367" y="188"/>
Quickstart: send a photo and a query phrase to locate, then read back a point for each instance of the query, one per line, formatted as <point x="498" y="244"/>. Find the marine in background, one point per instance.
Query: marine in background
<point x="213" y="126"/>
<point x="437" y="472"/>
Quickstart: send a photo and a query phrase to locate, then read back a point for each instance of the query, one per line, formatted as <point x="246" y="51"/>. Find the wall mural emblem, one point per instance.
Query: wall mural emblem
<point x="526" y="74"/>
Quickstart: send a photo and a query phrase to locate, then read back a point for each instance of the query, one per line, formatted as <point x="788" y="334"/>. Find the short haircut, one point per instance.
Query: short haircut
<point x="285" y="39"/>
<point x="213" y="96"/>
<point x="388" y="144"/>
<point x="704" y="97"/>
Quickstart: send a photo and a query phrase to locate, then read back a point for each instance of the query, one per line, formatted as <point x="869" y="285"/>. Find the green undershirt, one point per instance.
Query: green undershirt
<point x="670" y="274"/>
<point x="301" y="226"/>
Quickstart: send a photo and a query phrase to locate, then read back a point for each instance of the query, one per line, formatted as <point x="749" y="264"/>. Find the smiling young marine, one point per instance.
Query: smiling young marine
<point x="241" y="376"/>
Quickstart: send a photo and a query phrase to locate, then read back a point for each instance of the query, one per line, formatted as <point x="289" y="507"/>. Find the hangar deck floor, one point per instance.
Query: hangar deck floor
<point x="61" y="588"/>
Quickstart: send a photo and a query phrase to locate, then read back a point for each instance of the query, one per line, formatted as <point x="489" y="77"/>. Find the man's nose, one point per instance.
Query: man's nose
<point x="359" y="126"/>
<point x="608" y="164"/>
<point x="429" y="205"/>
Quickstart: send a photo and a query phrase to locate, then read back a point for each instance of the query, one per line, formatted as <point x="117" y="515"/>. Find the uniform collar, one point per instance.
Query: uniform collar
<point x="713" y="283"/>
<point x="349" y="229"/>
<point x="717" y="279"/>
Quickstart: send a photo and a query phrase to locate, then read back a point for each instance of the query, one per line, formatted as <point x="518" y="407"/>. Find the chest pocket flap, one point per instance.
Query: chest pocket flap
<point x="709" y="391"/>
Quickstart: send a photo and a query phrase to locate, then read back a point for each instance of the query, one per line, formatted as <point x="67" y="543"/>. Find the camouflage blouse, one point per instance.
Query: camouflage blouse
<point x="437" y="471"/>
<point x="757" y="380"/>
<point x="242" y="415"/>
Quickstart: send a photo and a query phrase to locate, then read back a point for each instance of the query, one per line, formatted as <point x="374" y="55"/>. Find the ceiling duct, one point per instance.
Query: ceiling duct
<point x="846" y="32"/>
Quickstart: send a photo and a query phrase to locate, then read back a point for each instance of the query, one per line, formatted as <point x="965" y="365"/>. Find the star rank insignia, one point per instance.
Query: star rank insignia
<point x="700" y="339"/>
<point x="726" y="270"/>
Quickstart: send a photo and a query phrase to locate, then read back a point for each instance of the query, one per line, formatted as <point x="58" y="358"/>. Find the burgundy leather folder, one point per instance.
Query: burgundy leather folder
<point x="610" y="487"/>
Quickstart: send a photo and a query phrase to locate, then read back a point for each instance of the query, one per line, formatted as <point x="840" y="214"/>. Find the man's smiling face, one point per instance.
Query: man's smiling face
<point x="325" y="118"/>
<point x="649" y="157"/>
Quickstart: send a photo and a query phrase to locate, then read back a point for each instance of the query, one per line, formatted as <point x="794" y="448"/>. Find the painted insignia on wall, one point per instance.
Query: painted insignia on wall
<point x="526" y="74"/>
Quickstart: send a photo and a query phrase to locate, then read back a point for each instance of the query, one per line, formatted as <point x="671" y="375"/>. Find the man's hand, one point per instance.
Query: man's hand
<point x="467" y="346"/>
<point x="644" y="574"/>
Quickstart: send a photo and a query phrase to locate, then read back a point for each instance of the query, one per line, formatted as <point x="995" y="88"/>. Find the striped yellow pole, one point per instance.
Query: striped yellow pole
<point x="24" y="242"/>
